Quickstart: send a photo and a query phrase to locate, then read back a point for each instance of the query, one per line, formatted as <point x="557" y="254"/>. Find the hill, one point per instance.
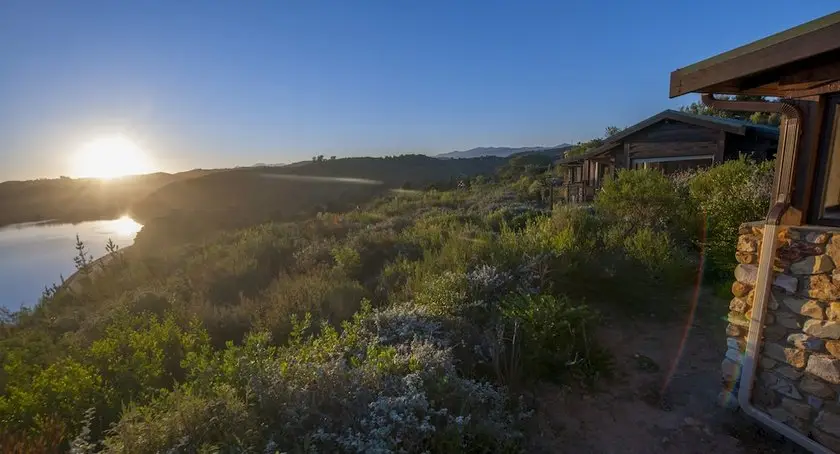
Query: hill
<point x="247" y="196"/>
<point x="499" y="151"/>
<point x="72" y="200"/>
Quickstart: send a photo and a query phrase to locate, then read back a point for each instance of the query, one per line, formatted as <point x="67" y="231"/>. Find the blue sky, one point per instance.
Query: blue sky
<point x="216" y="84"/>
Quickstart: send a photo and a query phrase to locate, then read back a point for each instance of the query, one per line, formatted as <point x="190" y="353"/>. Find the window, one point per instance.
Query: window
<point x="673" y="164"/>
<point x="830" y="144"/>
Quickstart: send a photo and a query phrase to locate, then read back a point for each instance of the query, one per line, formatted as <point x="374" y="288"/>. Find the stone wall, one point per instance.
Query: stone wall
<point x="798" y="375"/>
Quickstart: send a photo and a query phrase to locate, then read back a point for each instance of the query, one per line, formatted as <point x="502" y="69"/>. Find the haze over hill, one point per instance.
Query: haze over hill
<point x="499" y="151"/>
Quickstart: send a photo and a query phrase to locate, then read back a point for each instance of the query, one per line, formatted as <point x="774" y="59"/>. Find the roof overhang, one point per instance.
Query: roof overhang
<point x="801" y="61"/>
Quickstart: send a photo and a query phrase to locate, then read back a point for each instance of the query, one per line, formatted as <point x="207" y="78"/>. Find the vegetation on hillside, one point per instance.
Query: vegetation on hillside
<point x="236" y="198"/>
<point x="83" y="199"/>
<point x="412" y="323"/>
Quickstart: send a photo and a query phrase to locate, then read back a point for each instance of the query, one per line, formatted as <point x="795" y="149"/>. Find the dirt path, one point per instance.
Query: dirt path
<point x="637" y="412"/>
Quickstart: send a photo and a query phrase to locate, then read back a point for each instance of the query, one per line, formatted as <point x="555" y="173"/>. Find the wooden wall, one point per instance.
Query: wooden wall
<point x="669" y="139"/>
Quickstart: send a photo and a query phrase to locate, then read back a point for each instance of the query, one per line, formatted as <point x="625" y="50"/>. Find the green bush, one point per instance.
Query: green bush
<point x="647" y="198"/>
<point x="552" y="338"/>
<point x="728" y="195"/>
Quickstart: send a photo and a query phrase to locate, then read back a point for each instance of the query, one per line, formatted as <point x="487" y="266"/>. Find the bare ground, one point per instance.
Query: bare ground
<point x="641" y="410"/>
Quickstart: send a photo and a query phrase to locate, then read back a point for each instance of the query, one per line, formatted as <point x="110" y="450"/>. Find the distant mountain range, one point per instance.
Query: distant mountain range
<point x="501" y="151"/>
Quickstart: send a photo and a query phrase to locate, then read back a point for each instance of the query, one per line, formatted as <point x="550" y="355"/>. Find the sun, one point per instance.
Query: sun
<point x="110" y="157"/>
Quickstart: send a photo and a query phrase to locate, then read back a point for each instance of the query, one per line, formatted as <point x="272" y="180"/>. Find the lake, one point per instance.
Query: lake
<point x="34" y="254"/>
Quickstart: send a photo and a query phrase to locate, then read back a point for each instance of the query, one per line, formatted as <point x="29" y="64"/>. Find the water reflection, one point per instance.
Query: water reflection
<point x="124" y="227"/>
<point x="33" y="255"/>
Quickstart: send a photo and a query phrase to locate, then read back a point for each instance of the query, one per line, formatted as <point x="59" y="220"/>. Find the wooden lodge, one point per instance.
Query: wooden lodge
<point x="670" y="141"/>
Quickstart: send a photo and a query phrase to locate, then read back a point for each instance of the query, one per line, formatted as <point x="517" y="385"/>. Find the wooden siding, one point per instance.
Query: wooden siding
<point x="671" y="149"/>
<point x="670" y="132"/>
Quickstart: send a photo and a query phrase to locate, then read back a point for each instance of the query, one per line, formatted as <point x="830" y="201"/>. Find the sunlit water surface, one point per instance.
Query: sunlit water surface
<point x="33" y="255"/>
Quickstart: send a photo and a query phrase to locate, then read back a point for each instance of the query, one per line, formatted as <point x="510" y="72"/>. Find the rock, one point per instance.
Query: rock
<point x="833" y="311"/>
<point x="767" y="363"/>
<point x="787" y="283"/>
<point x="740" y="289"/>
<point x="816" y="237"/>
<point x="830" y="442"/>
<point x="824" y="366"/>
<point x="746" y="258"/>
<point x="736" y="343"/>
<point x="815" y="402"/>
<point x="821" y="287"/>
<point x="738" y="305"/>
<point x="813" y="310"/>
<point x="780" y="385"/>
<point x="734" y="355"/>
<point x="748" y="243"/>
<point x="734" y="331"/>
<point x="788" y="320"/>
<point x="784" y="416"/>
<point x="828" y="422"/>
<point x="822" y="329"/>
<point x="727" y="400"/>
<point x="789" y="373"/>
<point x="793" y="303"/>
<point x="763" y="396"/>
<point x="772" y="301"/>
<point x="731" y="370"/>
<point x="738" y="319"/>
<point x="758" y="230"/>
<point x="805" y="342"/>
<point x="816" y="387"/>
<point x="793" y="356"/>
<point x="746" y="273"/>
<point x="796" y="408"/>
<point x="775" y="333"/>
<point x="813" y="265"/>
<point x="785" y="233"/>
<point x="833" y="248"/>
<point x="744" y="229"/>
<point x="795" y="251"/>
<point x="833" y="347"/>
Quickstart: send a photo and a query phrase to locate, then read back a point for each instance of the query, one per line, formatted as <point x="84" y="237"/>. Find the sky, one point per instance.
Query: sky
<point x="203" y="84"/>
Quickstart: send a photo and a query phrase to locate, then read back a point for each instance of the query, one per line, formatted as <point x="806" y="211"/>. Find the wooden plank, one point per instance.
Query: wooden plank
<point x="671" y="149"/>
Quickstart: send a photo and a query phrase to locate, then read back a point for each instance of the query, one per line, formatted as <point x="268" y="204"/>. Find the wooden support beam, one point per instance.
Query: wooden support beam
<point x="627" y="155"/>
<point x="721" y="148"/>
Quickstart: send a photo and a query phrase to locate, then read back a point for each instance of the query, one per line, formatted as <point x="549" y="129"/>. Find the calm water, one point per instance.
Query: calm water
<point x="33" y="255"/>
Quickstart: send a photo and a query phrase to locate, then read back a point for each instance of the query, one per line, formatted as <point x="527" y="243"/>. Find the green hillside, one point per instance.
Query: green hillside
<point x="247" y="196"/>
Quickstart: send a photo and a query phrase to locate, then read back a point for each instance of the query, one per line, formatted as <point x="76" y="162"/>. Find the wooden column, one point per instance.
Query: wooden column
<point x="627" y="155"/>
<point x="721" y="148"/>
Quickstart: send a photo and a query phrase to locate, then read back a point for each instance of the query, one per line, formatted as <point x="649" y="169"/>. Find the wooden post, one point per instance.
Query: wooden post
<point x="627" y="155"/>
<point x="721" y="148"/>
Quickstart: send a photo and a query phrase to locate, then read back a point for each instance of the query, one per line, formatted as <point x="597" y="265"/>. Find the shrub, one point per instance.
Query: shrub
<point x="727" y="196"/>
<point x="646" y="198"/>
<point x="551" y="338"/>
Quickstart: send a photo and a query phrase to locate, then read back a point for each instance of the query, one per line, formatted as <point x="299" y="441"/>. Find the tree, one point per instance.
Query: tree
<point x="582" y="147"/>
<point x="83" y="258"/>
<point x="611" y="131"/>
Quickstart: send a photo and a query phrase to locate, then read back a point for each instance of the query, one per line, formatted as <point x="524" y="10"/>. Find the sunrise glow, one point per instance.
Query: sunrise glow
<point x="110" y="157"/>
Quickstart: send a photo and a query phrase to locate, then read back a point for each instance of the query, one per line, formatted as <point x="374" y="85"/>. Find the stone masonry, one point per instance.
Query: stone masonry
<point x="798" y="375"/>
